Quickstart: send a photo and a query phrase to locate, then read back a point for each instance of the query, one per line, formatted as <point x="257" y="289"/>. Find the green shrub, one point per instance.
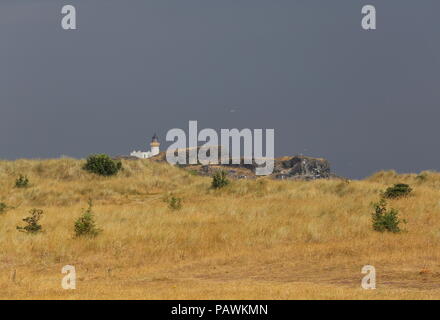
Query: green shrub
<point x="86" y="225"/>
<point x="22" y="182"/>
<point x="219" y="180"/>
<point x="174" y="203"/>
<point x="32" y="226"/>
<point x="385" y="220"/>
<point x="3" y="207"/>
<point x="102" y="164"/>
<point x="397" y="191"/>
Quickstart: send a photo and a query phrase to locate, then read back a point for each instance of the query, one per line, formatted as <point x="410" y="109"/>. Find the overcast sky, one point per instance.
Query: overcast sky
<point x="365" y="100"/>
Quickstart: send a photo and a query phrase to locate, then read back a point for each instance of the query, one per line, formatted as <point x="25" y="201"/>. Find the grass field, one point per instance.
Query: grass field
<point x="262" y="239"/>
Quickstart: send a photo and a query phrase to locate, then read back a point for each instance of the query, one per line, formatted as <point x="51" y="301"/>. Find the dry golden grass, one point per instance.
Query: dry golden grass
<point x="261" y="239"/>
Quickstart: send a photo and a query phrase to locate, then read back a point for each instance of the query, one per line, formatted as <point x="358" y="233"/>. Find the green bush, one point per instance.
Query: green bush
<point x="102" y="164"/>
<point x="3" y="207"/>
<point x="385" y="220"/>
<point x="397" y="191"/>
<point x="86" y="225"/>
<point x="174" y="203"/>
<point x="219" y="180"/>
<point x="22" y="182"/>
<point x="32" y="226"/>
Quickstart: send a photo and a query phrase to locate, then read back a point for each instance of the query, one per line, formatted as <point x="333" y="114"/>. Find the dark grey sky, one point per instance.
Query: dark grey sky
<point x="365" y="100"/>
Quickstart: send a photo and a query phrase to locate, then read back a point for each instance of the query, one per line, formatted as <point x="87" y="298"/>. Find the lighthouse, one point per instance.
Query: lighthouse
<point x="154" y="145"/>
<point x="148" y="154"/>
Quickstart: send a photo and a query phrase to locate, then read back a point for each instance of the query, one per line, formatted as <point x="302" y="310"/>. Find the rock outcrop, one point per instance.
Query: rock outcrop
<point x="301" y="167"/>
<point x="289" y="168"/>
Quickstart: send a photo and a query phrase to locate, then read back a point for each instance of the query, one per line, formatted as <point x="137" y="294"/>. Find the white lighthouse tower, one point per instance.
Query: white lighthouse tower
<point x="155" y="145"/>
<point x="148" y="154"/>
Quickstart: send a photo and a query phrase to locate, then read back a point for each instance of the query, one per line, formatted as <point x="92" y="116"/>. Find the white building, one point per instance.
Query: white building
<point x="148" y="154"/>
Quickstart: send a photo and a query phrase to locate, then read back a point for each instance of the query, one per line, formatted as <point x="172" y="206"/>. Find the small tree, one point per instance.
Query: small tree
<point x="102" y="164"/>
<point x="219" y="180"/>
<point x="397" y="191"/>
<point x="32" y="226"/>
<point x="22" y="182"/>
<point x="86" y="225"/>
<point x="385" y="220"/>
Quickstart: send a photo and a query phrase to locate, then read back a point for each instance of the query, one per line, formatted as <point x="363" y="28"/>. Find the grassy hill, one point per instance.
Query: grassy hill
<point x="254" y="239"/>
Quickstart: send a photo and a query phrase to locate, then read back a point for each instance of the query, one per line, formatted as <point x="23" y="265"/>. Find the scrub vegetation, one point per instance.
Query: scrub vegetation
<point x="249" y="239"/>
